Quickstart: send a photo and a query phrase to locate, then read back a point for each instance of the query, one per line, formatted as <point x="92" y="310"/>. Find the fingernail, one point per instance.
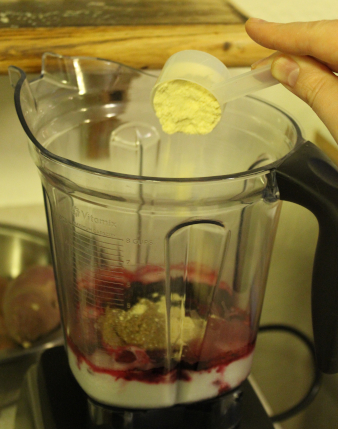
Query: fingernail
<point x="285" y="70"/>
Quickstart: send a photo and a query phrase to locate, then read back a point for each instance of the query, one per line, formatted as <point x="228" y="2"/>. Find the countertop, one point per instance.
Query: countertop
<point x="141" y="34"/>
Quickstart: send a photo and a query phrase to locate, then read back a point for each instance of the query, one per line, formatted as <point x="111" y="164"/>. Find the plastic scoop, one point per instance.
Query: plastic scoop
<point x="193" y="68"/>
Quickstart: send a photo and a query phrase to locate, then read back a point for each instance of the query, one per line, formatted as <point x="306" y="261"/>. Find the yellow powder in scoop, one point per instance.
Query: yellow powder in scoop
<point x="186" y="107"/>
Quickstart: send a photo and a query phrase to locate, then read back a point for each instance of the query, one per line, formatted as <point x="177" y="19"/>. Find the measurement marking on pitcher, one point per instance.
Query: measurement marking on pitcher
<point x="83" y="241"/>
<point x="119" y="275"/>
<point x="90" y="228"/>
<point x="92" y="243"/>
<point x="89" y="234"/>
<point x="82" y="256"/>
<point x="108" y="246"/>
<point x="98" y="264"/>
<point x="92" y="233"/>
<point x="102" y="237"/>
<point x="115" y="263"/>
<point x="105" y="275"/>
<point x="97" y="255"/>
<point x="88" y="270"/>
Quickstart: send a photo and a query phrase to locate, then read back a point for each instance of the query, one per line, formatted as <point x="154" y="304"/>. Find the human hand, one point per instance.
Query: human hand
<point x="305" y="62"/>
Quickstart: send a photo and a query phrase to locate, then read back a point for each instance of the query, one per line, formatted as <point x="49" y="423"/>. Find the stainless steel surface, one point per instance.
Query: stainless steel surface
<point x="15" y="354"/>
<point x="21" y="248"/>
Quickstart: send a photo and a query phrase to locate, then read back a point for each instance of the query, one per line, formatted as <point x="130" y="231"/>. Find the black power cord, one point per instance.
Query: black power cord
<point x="317" y="377"/>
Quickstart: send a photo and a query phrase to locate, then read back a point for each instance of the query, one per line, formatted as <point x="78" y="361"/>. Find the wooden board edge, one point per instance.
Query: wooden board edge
<point x="143" y="47"/>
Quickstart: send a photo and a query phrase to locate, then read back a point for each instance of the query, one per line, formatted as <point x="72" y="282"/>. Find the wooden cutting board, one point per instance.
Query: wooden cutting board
<point x="142" y="34"/>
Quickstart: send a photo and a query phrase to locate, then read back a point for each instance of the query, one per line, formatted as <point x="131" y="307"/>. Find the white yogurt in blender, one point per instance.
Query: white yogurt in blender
<point x="198" y="385"/>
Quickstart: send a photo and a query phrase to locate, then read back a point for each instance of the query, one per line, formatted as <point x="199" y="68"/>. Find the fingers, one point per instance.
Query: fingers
<point x="307" y="58"/>
<point x="317" y="39"/>
<point x="311" y="81"/>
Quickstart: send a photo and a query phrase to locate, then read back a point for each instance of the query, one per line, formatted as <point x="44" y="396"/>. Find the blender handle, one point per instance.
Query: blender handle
<point x="309" y="178"/>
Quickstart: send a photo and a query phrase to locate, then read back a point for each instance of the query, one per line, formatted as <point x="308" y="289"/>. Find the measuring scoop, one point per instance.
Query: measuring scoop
<point x="209" y="72"/>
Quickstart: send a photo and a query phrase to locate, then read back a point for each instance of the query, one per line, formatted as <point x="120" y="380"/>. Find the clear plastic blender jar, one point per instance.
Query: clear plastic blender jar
<point x="162" y="243"/>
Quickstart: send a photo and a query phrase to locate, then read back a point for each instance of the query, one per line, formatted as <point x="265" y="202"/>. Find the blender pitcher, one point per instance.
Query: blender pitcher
<point x="161" y="243"/>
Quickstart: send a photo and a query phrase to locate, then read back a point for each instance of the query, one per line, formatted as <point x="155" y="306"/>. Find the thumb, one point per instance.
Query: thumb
<point x="311" y="81"/>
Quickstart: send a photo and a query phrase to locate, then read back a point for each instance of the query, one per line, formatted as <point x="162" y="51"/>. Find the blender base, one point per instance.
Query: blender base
<point x="221" y="413"/>
<point x="51" y="398"/>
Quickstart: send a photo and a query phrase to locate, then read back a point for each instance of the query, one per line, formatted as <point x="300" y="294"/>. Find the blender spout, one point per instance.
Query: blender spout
<point x="62" y="71"/>
<point x="23" y="95"/>
<point x="15" y="75"/>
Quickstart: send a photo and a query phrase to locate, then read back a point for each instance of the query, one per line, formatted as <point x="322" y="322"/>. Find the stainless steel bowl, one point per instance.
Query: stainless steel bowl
<point x="21" y="248"/>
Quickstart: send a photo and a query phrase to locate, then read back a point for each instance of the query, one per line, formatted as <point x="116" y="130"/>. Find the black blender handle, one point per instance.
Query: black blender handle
<point x="309" y="178"/>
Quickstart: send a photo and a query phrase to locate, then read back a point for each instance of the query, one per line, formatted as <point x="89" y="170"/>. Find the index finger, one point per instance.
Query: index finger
<point x="317" y="38"/>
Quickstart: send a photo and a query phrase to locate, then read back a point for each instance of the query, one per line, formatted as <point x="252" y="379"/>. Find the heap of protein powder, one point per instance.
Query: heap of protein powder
<point x="185" y="97"/>
<point x="184" y="106"/>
